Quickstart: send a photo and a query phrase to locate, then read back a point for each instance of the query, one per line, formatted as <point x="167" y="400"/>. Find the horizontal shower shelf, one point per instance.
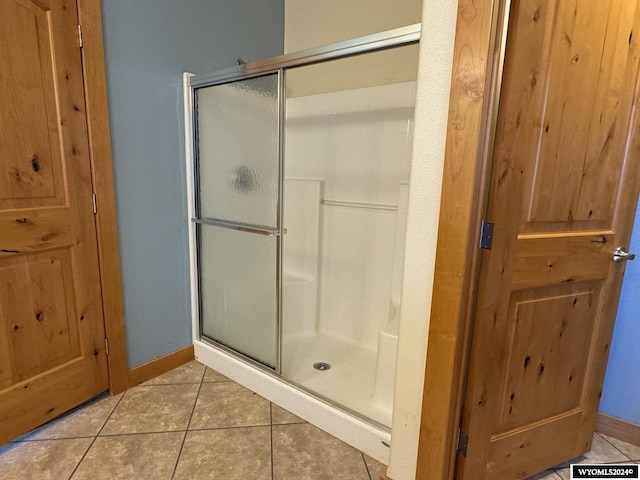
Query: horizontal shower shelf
<point x="258" y="230"/>
<point x="367" y="206"/>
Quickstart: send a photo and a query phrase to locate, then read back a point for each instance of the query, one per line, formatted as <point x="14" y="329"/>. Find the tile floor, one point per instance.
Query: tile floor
<point x="193" y="423"/>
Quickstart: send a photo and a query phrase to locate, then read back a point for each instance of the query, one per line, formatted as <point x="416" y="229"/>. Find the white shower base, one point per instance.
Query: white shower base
<point x="349" y="382"/>
<point x="371" y="439"/>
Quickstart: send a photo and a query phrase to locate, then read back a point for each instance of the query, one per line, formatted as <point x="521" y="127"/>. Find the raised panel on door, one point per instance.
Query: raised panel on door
<point x="562" y="196"/>
<point x="38" y="308"/>
<point x="575" y="111"/>
<point x="547" y="351"/>
<point x="52" y="350"/>
<point x="29" y="143"/>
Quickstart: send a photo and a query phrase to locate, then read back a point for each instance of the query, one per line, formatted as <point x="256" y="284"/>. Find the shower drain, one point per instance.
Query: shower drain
<point x="322" y="366"/>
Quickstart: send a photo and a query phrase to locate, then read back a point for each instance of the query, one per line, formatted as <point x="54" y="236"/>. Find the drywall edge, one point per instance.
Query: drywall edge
<point x="432" y="108"/>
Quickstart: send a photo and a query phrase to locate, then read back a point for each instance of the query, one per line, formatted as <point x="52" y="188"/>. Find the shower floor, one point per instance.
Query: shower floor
<point x="350" y="380"/>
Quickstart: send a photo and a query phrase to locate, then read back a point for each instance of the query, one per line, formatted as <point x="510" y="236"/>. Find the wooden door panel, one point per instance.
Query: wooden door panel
<point x="519" y="453"/>
<point x="56" y="388"/>
<point x="547" y="350"/>
<point x="51" y="327"/>
<point x="38" y="313"/>
<point x="561" y="258"/>
<point x="31" y="231"/>
<point x="29" y="134"/>
<point x="563" y="190"/>
<point x="572" y="177"/>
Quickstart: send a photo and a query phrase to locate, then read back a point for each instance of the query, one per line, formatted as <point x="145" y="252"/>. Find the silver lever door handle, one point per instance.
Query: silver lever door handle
<point x="621" y="254"/>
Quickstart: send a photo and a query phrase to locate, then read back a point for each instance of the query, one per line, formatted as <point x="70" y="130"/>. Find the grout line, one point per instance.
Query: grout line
<point x="365" y="465"/>
<point x="271" y="435"/>
<point x="291" y="423"/>
<point x="111" y="414"/>
<point x="96" y="436"/>
<point x="82" y="458"/>
<point x="206" y="429"/>
<point x="214" y="381"/>
<point x="193" y="409"/>
<point x="167" y="384"/>
<point x="603" y="438"/>
<point x="180" y="430"/>
<point x="129" y="434"/>
<point x="147" y="384"/>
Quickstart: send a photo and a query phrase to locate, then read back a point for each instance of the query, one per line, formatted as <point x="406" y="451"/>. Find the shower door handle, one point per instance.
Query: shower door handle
<point x="237" y="226"/>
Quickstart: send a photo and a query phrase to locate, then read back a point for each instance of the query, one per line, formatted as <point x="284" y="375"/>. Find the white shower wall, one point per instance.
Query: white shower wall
<point x="358" y="144"/>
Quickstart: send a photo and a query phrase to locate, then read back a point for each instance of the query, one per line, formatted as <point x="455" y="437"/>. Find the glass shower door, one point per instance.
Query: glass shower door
<point x="238" y="214"/>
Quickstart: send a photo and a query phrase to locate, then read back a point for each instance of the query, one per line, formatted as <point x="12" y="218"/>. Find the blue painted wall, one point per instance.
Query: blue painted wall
<point x="621" y="394"/>
<point x="148" y="44"/>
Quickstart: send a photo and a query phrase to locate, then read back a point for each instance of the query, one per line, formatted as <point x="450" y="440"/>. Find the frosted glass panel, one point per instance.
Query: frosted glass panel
<point x="238" y="151"/>
<point x="238" y="291"/>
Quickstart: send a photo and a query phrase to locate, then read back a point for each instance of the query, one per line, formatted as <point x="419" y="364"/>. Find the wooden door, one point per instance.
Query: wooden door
<point x="562" y="196"/>
<point x="52" y="348"/>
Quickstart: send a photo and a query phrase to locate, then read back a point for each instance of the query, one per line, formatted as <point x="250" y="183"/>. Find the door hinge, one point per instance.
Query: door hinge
<point x="486" y="235"/>
<point x="106" y="346"/>
<point x="95" y="203"/>
<point x="80" y="36"/>
<point x="463" y="442"/>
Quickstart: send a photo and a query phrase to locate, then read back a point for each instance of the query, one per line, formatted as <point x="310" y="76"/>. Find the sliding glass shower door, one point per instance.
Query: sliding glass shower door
<point x="238" y="214"/>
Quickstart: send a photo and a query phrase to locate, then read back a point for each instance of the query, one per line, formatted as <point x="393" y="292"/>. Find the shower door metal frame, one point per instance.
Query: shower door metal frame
<point x="275" y="65"/>
<point x="197" y="221"/>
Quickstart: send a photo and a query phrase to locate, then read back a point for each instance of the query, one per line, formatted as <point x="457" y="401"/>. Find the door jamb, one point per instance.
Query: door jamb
<point x="474" y="93"/>
<point x="95" y="87"/>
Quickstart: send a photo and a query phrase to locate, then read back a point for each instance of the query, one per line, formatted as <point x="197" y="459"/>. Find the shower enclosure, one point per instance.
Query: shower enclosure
<point x="299" y="184"/>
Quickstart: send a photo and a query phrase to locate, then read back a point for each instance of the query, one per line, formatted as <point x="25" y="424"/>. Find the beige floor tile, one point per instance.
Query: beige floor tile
<point x="229" y="454"/>
<point x="42" y="460"/>
<point x="191" y="372"/>
<point x="280" y="416"/>
<point x="153" y="408"/>
<point x="376" y="469"/>
<point x="212" y="375"/>
<point x="131" y="457"/>
<point x="631" y="451"/>
<point x="85" y="422"/>
<point x="304" y="452"/>
<point x="227" y="404"/>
